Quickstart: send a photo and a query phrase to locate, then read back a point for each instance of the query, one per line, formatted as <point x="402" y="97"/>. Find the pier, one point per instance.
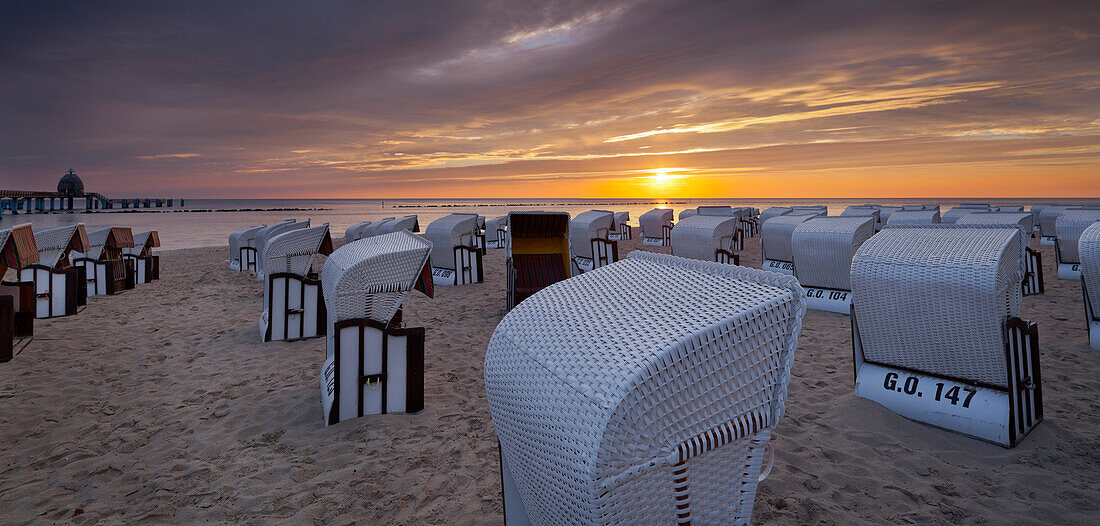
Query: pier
<point x="69" y="195"/>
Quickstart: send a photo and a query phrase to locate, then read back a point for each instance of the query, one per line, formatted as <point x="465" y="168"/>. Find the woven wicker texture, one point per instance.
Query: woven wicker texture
<point x="448" y="232"/>
<point x="591" y="412"/>
<point x="954" y="214"/>
<point x="863" y="211"/>
<point x="266" y="234"/>
<point x="587" y="226"/>
<point x="653" y="222"/>
<point x="355" y="232"/>
<point x="775" y="236"/>
<point x="1048" y="218"/>
<point x="686" y="213"/>
<point x="1007" y="208"/>
<point x="293" y="251"/>
<point x="1070" y="225"/>
<point x="235" y="243"/>
<point x="248" y="237"/>
<point x="370" y="277"/>
<point x="409" y="223"/>
<point x="914" y="217"/>
<point x="1023" y="219"/>
<point x="54" y="243"/>
<point x="886" y="211"/>
<point x="726" y="211"/>
<point x="774" y="211"/>
<point x="822" y="249"/>
<point x="934" y="298"/>
<point x="699" y="236"/>
<point x="1089" y="249"/>
<point x="1036" y="210"/>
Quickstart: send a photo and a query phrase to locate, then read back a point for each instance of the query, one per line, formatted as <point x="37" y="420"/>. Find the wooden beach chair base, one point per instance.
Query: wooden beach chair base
<point x="604" y="252"/>
<point x="372" y="369"/>
<point x="1003" y="416"/>
<point x="295" y="308"/>
<point x="55" y="290"/>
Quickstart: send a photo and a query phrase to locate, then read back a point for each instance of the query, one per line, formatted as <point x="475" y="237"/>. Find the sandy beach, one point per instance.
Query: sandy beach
<point x="160" y="405"/>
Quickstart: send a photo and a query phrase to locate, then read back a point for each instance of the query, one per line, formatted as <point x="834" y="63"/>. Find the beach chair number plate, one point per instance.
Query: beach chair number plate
<point x="972" y="410"/>
<point x="653" y="242"/>
<point x="1046" y="240"/>
<point x="783" y="267"/>
<point x="832" y="300"/>
<point x="1069" y="271"/>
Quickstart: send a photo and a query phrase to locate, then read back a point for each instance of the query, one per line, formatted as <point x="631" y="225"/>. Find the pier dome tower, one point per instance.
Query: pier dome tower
<point x="70" y="185"/>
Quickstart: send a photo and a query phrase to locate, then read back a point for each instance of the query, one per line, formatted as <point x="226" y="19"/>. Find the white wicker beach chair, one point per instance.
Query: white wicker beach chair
<point x="865" y="211"/>
<point x="294" y="308"/>
<point x="537" y="253"/>
<point x="886" y="211"/>
<point x="775" y="242"/>
<point x="246" y="253"/>
<point x="266" y="234"/>
<point x="954" y="214"/>
<point x="590" y="239"/>
<point x="355" y="232"/>
<point x="496" y="230"/>
<point x="914" y="217"/>
<point x="1033" y="274"/>
<point x="408" y="222"/>
<point x="656" y="227"/>
<point x="106" y="272"/>
<point x="17" y="298"/>
<point x="708" y="238"/>
<point x="936" y="332"/>
<point x="456" y="259"/>
<point x="1069" y="226"/>
<point x="663" y="420"/>
<point x="750" y="220"/>
<point x="59" y="286"/>
<point x="774" y="211"/>
<point x="479" y="238"/>
<point x="686" y="213"/>
<point x="1088" y="247"/>
<point x="1048" y="220"/>
<point x="822" y="250"/>
<point x="620" y="227"/>
<point x="373" y="364"/>
<point x="1007" y="208"/>
<point x="810" y="210"/>
<point x="146" y="264"/>
<point x="235" y="246"/>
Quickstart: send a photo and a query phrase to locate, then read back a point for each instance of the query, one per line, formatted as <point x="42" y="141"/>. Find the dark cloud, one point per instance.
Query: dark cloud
<point x="274" y="98"/>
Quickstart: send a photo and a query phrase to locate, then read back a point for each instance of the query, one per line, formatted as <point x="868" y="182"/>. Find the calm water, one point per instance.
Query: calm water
<point x="195" y="228"/>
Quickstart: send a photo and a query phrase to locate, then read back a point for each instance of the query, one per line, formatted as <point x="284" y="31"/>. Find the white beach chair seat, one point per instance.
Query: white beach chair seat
<point x="496" y="230"/>
<point x="822" y="250"/>
<point x="663" y="420"/>
<point x="590" y="239"/>
<point x="1033" y="273"/>
<point x="1088" y="248"/>
<point x="266" y="234"/>
<point x="964" y="209"/>
<point x="620" y="227"/>
<point x="708" y="238"/>
<point x="1068" y="227"/>
<point x="456" y="257"/>
<point x="293" y="303"/>
<point x="914" y="217"/>
<point x="372" y="363"/>
<point x="775" y="242"/>
<point x="656" y="227"/>
<point x="936" y="305"/>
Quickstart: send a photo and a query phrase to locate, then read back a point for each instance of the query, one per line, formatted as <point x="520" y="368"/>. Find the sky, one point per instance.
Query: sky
<point x="484" y="98"/>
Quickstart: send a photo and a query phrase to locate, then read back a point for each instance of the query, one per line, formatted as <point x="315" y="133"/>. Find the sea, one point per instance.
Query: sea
<point x="208" y="222"/>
